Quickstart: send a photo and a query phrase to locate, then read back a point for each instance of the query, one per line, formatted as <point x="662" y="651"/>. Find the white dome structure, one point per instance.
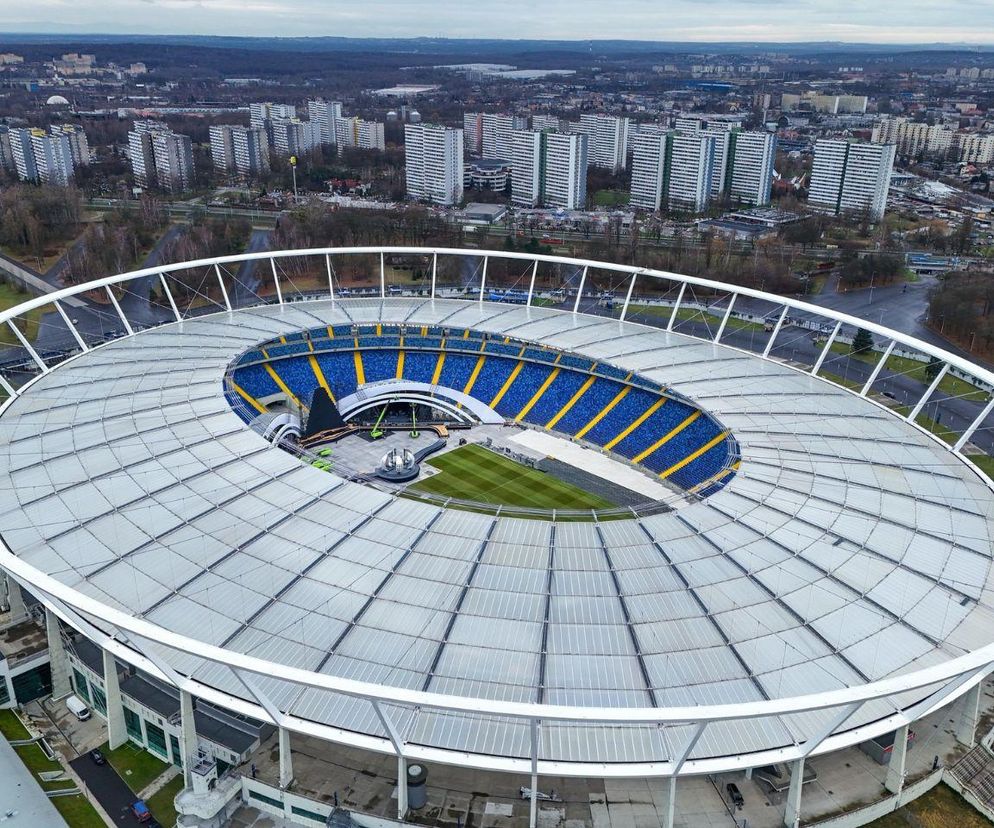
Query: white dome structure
<point x="57" y="100"/>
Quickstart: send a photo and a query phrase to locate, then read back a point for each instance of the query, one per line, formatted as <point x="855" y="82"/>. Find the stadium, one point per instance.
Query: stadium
<point x="493" y="536"/>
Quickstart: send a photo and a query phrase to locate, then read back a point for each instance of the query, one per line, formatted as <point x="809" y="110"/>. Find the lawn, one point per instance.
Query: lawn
<point x="475" y="473"/>
<point x="161" y="802"/>
<point x="610" y="198"/>
<point x="941" y="807"/>
<point x="137" y="767"/>
<point x="27" y="324"/>
<point x="713" y="320"/>
<point x="78" y="812"/>
<point x="11" y="727"/>
<point x="953" y="386"/>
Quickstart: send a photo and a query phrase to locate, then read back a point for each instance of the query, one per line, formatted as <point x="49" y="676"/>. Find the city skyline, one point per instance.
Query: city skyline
<point x="915" y="22"/>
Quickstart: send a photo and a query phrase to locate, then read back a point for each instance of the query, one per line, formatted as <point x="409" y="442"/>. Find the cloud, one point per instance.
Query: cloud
<point x="886" y="21"/>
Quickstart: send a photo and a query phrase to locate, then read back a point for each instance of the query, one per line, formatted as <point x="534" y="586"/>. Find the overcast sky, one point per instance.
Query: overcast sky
<point x="878" y="21"/>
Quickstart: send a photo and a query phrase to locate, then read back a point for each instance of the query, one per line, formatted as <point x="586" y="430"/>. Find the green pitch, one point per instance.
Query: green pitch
<point x="472" y="472"/>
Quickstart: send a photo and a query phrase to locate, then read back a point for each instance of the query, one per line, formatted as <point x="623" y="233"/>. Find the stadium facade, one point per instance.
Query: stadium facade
<point x="816" y="576"/>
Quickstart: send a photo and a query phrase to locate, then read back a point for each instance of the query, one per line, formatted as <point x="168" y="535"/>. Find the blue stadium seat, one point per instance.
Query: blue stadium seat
<point x="563" y="387"/>
<point x="523" y="388"/>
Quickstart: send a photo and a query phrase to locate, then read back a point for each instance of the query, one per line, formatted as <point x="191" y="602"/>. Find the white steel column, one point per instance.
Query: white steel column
<point x="531" y="284"/>
<point x="383" y="278"/>
<point x="27" y="346"/>
<point x="676" y="307"/>
<point x="120" y="313"/>
<point x="792" y="810"/>
<point x="724" y="319"/>
<point x="169" y="296"/>
<point x="483" y="278"/>
<point x="898" y="761"/>
<point x="434" y="273"/>
<point x="276" y="279"/>
<point x="117" y="732"/>
<point x="928" y="393"/>
<point x="579" y="292"/>
<point x="70" y="326"/>
<point x="628" y="296"/>
<point x="776" y="330"/>
<point x="827" y="348"/>
<point x="331" y="281"/>
<point x="965" y="438"/>
<point x="966" y="727"/>
<point x="188" y="736"/>
<point x="224" y="290"/>
<point x="398" y="745"/>
<point x="286" y="759"/>
<point x="61" y="686"/>
<point x="877" y="369"/>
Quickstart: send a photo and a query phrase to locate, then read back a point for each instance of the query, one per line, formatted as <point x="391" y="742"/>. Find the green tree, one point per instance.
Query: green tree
<point x="933" y="368"/>
<point x="862" y="342"/>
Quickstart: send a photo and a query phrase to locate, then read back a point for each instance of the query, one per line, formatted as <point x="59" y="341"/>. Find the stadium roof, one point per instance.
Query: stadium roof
<point x="849" y="547"/>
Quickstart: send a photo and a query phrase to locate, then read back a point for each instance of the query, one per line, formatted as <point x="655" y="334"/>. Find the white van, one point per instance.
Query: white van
<point x="77" y="708"/>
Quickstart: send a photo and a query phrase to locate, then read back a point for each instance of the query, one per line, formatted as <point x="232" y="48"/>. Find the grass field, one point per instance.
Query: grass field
<point x="161" y="802"/>
<point x="941" y="807"/>
<point x="475" y="473"/>
<point x="135" y="766"/>
<point x="27" y="324"/>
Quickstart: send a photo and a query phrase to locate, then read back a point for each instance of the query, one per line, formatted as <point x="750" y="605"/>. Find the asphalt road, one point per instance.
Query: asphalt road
<point x="109" y="789"/>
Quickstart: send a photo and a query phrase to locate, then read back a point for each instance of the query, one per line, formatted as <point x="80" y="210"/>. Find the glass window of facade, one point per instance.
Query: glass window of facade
<point x="156" y="739"/>
<point x="133" y="724"/>
<point x="177" y="754"/>
<point x="80" y="685"/>
<point x="4" y="692"/>
<point x="99" y="700"/>
<point x="33" y="684"/>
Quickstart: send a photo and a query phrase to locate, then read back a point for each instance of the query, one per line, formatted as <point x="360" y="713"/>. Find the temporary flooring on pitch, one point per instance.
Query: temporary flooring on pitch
<point x="594" y="462"/>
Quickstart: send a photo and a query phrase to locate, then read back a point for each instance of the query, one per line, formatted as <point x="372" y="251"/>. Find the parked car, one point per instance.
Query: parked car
<point x="75" y="706"/>
<point x="97" y="757"/>
<point x="735" y="795"/>
<point x="141" y="811"/>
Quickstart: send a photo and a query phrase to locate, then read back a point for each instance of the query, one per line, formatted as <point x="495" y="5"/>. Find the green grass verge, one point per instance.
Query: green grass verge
<point x="136" y="766"/>
<point x="941" y="807"/>
<point x="475" y="473"/>
<point x="79" y="813"/>
<point x="11" y="296"/>
<point x="161" y="802"/>
<point x="11" y="727"/>
<point x="689" y="315"/>
<point x="610" y="198"/>
<point x="953" y="386"/>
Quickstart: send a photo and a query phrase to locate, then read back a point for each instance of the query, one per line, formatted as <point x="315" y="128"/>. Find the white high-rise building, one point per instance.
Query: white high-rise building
<point x="747" y="171"/>
<point x="488" y="134"/>
<point x="687" y="183"/>
<point x="607" y="140"/>
<point x="173" y="155"/>
<point x="564" y="180"/>
<point x="975" y="147"/>
<point x="326" y="114"/>
<point x="41" y="157"/>
<point x="356" y="132"/>
<point x="549" y="168"/>
<point x="685" y="170"/>
<point x="434" y="161"/>
<point x="542" y="122"/>
<point x="526" y="168"/>
<point x="261" y="112"/>
<point x="78" y="145"/>
<point x="472" y="132"/>
<point x="648" y="169"/>
<point x="160" y="156"/>
<point x="913" y="138"/>
<point x="239" y="149"/>
<point x="850" y="177"/>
